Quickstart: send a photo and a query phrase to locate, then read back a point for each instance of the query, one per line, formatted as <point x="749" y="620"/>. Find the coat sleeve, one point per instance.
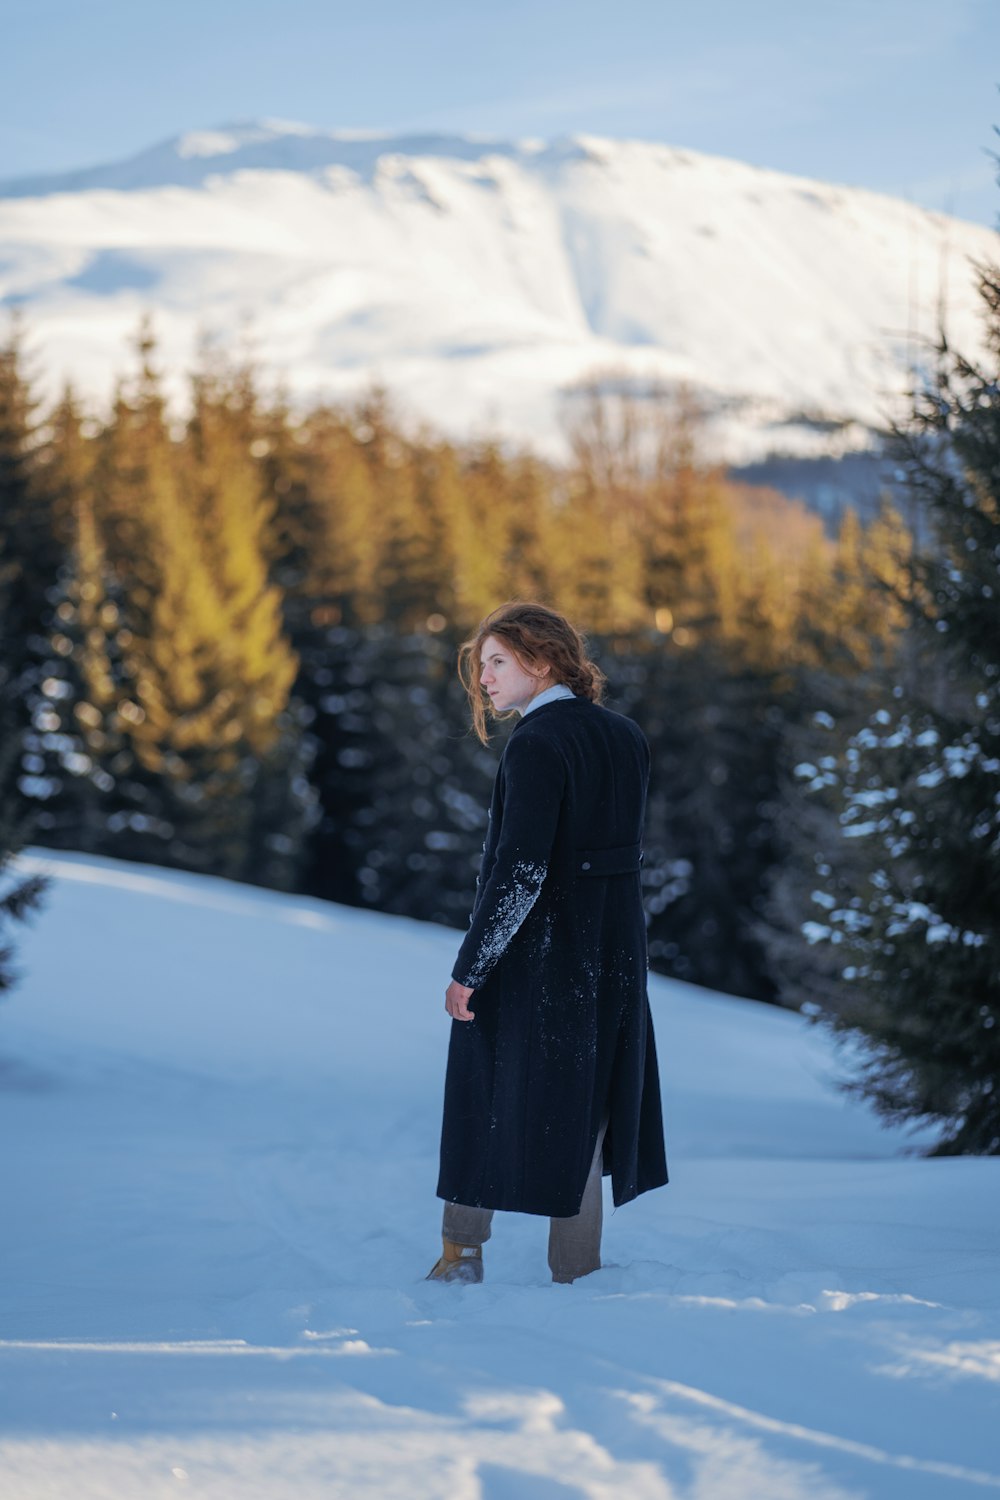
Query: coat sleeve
<point x="534" y="782"/>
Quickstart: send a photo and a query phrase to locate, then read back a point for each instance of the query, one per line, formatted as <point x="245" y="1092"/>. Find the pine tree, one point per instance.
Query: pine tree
<point x="912" y="907"/>
<point x="689" y="530"/>
<point x="135" y="467"/>
<point x="19" y="894"/>
<point x="484" y="524"/>
<point x="714" y="727"/>
<point x="350" y="527"/>
<point x="230" y="417"/>
<point x="602" y="562"/>
<point x="123" y="550"/>
<point x="214" y="672"/>
<point x="415" y="567"/>
<point x="26" y="548"/>
<point x="30" y="548"/>
<point x="864" y="609"/>
<point x="72" y="738"/>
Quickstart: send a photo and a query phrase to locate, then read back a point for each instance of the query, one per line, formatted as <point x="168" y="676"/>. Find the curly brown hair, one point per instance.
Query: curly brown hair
<point x="535" y="634"/>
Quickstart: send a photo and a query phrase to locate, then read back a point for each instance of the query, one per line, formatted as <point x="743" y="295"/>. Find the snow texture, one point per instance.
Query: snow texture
<point x="220" y="1109"/>
<point x="514" y="900"/>
<point x="481" y="280"/>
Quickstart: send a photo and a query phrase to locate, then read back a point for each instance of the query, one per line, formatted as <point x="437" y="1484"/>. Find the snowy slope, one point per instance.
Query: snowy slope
<point x="220" y="1111"/>
<point x="480" y="280"/>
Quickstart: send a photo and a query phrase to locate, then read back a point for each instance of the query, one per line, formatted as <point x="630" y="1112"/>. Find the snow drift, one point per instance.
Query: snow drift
<point x="220" y="1110"/>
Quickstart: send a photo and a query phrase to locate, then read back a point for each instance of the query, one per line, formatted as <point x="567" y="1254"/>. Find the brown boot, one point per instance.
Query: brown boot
<point x="458" y="1263"/>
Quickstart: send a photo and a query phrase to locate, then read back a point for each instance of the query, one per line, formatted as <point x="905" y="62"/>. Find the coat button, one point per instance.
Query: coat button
<point x="585" y="865"/>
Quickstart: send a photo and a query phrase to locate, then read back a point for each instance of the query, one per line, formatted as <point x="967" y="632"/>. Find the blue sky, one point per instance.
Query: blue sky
<point x="897" y="95"/>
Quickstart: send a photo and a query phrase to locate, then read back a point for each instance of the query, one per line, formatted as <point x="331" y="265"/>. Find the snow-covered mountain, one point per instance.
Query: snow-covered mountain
<point x="481" y="280"/>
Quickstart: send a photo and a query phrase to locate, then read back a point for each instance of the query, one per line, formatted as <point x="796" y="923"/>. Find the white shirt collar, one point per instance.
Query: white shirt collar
<point x="557" y="690"/>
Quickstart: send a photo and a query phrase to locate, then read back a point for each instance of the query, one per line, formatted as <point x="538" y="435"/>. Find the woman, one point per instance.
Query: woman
<point x="552" y="1077"/>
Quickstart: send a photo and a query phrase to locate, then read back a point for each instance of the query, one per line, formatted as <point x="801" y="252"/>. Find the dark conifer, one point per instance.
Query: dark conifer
<point x="30" y="546"/>
<point x="909" y="897"/>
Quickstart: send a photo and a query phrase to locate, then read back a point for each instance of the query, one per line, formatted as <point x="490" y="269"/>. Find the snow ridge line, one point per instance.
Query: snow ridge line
<point x="646" y="1412"/>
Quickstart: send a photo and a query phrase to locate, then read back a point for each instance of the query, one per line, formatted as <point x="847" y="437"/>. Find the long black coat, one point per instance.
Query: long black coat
<point x="556" y="953"/>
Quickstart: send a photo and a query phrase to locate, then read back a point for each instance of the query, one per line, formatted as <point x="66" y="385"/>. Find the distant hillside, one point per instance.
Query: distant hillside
<point x="482" y="280"/>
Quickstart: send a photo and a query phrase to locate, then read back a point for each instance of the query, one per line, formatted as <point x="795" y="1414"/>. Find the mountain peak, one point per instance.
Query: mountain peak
<point x="222" y="140"/>
<point x="187" y="160"/>
<point x="485" y="278"/>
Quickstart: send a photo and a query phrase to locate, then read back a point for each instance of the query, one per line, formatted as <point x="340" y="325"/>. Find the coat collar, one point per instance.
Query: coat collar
<point x="551" y="695"/>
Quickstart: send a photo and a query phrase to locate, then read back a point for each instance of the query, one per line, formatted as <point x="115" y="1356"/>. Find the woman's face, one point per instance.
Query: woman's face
<point x="508" y="683"/>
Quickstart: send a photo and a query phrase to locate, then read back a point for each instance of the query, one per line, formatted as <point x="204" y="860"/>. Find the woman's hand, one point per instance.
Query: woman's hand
<point x="456" y="1001"/>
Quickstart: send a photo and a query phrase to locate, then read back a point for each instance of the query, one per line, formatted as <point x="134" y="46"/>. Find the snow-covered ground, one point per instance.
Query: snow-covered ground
<point x="219" y="1109"/>
<point x="483" y="279"/>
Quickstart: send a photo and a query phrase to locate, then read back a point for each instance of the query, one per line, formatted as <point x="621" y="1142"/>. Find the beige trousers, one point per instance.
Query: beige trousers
<point x="574" y="1243"/>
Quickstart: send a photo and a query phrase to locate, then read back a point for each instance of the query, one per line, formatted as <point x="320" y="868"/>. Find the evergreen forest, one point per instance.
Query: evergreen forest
<point x="229" y="635"/>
